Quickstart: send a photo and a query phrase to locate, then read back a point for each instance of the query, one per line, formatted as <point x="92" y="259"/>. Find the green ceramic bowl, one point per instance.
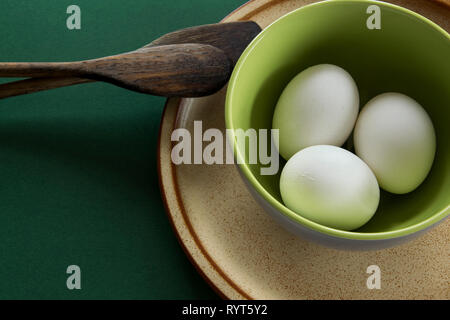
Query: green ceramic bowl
<point x="409" y="54"/>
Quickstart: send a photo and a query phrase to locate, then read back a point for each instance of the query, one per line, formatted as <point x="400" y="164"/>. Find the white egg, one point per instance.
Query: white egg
<point x="319" y="106"/>
<point x="395" y="136"/>
<point x="331" y="186"/>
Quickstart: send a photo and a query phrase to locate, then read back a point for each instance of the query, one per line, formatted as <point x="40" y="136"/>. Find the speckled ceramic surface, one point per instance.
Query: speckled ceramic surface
<point x="244" y="254"/>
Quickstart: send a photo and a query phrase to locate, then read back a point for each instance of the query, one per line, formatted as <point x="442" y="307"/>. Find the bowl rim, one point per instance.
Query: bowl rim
<point x="254" y="183"/>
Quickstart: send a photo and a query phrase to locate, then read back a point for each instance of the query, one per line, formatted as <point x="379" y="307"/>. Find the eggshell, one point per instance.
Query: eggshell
<point x="331" y="186"/>
<point x="318" y="106"/>
<point x="395" y="136"/>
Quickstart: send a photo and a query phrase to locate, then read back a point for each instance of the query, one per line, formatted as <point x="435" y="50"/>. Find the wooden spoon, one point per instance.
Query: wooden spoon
<point x="170" y="70"/>
<point x="231" y="37"/>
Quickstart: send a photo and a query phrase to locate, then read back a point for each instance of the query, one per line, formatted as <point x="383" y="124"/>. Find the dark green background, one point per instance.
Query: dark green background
<point x="78" y="177"/>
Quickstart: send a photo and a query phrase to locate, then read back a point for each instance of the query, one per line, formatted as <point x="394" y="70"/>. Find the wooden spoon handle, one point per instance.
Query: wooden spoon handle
<point x="26" y="86"/>
<point x="31" y="85"/>
<point x="38" y="69"/>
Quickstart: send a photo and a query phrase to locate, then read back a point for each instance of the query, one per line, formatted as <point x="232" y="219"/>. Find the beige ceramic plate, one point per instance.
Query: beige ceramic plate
<point x="243" y="254"/>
